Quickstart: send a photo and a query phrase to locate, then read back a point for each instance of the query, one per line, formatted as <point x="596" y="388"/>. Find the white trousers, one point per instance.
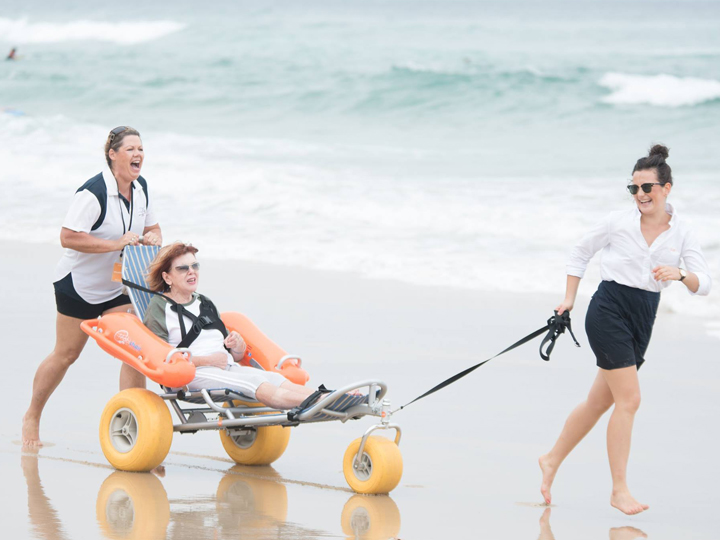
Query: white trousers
<point x="241" y="379"/>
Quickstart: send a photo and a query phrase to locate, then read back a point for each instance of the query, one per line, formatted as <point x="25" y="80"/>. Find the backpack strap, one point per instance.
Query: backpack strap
<point x="143" y="185"/>
<point x="96" y="186"/>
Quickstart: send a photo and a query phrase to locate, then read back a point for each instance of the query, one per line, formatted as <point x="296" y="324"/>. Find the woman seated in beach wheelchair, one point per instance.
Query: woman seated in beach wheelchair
<point x="233" y="377"/>
<point x="186" y="319"/>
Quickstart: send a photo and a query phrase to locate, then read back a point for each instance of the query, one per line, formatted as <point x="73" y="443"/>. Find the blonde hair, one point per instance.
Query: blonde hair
<point x="163" y="263"/>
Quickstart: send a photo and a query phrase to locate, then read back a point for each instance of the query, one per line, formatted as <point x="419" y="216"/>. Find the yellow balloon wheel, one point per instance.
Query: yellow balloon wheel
<point x="132" y="506"/>
<point x="370" y="516"/>
<point x="136" y="430"/>
<point x="255" y="446"/>
<point x="379" y="469"/>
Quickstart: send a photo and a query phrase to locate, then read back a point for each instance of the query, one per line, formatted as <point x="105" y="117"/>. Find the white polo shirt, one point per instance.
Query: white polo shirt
<point x="91" y="272"/>
<point x="627" y="259"/>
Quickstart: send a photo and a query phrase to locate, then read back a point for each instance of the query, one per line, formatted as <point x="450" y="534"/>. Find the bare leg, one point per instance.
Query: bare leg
<point x="304" y="391"/>
<point x="625" y="389"/>
<point x="129" y="376"/>
<point x="277" y="397"/>
<point x="285" y="396"/>
<point x="69" y="343"/>
<point x="578" y="424"/>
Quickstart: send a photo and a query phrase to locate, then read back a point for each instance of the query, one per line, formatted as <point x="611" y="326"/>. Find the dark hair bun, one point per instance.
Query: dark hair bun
<point x="656" y="160"/>
<point x="659" y="150"/>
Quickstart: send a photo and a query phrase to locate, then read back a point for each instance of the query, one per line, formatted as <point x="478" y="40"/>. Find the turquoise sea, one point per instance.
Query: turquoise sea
<point x="462" y="143"/>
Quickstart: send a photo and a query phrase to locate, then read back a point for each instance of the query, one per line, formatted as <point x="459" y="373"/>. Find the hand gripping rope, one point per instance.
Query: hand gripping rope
<point x="555" y="326"/>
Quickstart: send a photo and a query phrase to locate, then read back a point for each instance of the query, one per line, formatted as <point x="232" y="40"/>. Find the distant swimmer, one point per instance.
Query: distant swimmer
<point x="11" y="56"/>
<point x="645" y="249"/>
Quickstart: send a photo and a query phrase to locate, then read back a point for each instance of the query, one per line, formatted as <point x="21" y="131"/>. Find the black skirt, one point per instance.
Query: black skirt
<point x="619" y="324"/>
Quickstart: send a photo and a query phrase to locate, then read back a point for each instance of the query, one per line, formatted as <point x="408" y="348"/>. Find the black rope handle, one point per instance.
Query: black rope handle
<point x="555" y="326"/>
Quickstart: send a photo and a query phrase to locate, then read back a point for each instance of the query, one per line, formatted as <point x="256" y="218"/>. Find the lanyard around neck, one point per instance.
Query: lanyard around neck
<point x="132" y="199"/>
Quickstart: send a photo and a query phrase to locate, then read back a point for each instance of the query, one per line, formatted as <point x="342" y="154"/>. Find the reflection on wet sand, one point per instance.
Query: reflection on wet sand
<point x="370" y="517"/>
<point x="250" y="502"/>
<point x="132" y="506"/>
<point x="43" y="517"/>
<point x="615" y="533"/>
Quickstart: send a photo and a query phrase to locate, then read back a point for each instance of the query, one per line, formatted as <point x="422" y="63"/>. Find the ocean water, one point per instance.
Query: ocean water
<point x="455" y="143"/>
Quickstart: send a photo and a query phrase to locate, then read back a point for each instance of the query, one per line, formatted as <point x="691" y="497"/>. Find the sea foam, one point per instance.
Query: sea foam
<point x="659" y="90"/>
<point x="307" y="204"/>
<point x="19" y="31"/>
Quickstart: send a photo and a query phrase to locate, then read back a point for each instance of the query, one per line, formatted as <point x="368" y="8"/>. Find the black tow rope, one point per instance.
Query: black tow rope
<point x="555" y="326"/>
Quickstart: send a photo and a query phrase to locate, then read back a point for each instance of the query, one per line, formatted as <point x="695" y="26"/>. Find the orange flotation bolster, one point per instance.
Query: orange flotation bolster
<point x="125" y="337"/>
<point x="261" y="350"/>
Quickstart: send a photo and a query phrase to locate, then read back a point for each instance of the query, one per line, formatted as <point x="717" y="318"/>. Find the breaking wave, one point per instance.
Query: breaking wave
<point x="20" y="31"/>
<point x="659" y="90"/>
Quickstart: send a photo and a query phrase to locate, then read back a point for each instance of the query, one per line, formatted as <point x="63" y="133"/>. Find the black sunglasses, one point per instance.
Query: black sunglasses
<point x="117" y="131"/>
<point x="185" y="268"/>
<point x="647" y="188"/>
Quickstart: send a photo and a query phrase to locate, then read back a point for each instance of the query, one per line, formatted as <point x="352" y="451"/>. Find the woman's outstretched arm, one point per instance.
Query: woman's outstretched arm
<point x="571" y="289"/>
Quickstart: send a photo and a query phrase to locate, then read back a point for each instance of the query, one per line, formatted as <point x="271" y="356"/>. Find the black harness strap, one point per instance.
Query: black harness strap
<point x="209" y="317"/>
<point x="132" y="285"/>
<point x="555" y="326"/>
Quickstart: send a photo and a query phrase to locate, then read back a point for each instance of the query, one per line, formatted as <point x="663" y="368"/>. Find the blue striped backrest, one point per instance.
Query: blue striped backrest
<point x="136" y="260"/>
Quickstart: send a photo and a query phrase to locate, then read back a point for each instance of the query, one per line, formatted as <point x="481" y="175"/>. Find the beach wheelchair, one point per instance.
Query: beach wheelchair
<point x="136" y="428"/>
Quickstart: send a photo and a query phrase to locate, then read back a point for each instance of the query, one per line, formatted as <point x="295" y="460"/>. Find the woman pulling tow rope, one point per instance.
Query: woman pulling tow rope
<point x="645" y="249"/>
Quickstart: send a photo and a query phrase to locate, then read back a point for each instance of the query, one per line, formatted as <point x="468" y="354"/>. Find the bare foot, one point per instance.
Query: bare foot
<point x="626" y="533"/>
<point x="548" y="471"/>
<point x="626" y="503"/>
<point x="31" y="432"/>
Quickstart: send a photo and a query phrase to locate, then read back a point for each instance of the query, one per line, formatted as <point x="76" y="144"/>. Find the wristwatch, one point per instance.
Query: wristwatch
<point x="683" y="273"/>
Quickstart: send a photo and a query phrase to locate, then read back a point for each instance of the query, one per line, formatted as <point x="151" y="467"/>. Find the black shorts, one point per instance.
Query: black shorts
<point x="619" y="324"/>
<point x="70" y="303"/>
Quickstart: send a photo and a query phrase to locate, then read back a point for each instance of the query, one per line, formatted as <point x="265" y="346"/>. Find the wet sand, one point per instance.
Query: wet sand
<point x="470" y="452"/>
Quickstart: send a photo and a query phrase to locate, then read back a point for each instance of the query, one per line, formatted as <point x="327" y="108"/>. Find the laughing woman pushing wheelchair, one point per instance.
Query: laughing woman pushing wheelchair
<point x="644" y="250"/>
<point x="110" y="211"/>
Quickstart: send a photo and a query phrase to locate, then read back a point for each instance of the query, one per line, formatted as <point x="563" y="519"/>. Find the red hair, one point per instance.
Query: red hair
<point x="163" y="262"/>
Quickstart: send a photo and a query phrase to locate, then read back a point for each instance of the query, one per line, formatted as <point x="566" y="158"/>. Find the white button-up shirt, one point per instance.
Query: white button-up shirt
<point x="627" y="259"/>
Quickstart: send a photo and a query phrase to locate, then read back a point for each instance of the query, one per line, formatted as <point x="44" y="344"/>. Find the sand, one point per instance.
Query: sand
<point x="470" y="452"/>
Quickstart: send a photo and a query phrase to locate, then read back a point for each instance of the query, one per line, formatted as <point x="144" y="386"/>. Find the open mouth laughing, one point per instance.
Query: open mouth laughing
<point x="644" y="203"/>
